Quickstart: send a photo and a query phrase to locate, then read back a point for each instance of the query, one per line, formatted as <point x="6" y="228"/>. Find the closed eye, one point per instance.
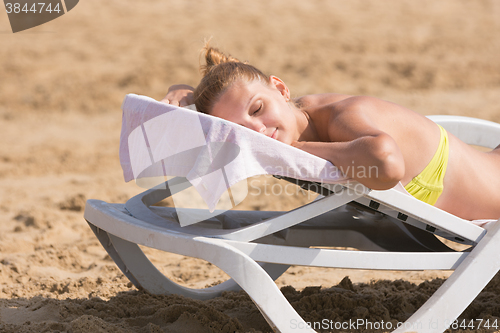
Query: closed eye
<point x="256" y="111"/>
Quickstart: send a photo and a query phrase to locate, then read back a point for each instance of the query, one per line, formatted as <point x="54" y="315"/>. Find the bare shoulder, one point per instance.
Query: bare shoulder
<point x="345" y="117"/>
<point x="338" y="117"/>
<point x="365" y="115"/>
<point x="365" y="103"/>
<point x="373" y="110"/>
<point x="356" y="109"/>
<point x="320" y="99"/>
<point x="346" y="107"/>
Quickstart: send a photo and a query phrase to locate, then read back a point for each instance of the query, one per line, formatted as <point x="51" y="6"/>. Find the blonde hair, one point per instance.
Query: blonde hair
<point x="219" y="73"/>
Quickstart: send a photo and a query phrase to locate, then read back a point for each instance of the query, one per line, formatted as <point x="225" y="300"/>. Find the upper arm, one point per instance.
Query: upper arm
<point x="357" y="123"/>
<point x="353" y="118"/>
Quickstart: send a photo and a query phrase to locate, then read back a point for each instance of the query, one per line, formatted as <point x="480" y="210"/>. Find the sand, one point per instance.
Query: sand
<point x="61" y="87"/>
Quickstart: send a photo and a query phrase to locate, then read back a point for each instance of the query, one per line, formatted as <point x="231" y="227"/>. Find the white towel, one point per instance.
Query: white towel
<point x="159" y="139"/>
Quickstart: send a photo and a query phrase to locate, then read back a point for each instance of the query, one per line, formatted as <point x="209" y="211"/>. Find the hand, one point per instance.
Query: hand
<point x="298" y="144"/>
<point x="179" y="95"/>
<point x="320" y="149"/>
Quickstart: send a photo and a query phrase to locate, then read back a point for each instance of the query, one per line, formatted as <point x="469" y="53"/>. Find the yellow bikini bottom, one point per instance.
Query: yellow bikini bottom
<point x="428" y="185"/>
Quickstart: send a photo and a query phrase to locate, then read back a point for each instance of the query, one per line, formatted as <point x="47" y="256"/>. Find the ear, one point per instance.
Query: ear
<point x="281" y="86"/>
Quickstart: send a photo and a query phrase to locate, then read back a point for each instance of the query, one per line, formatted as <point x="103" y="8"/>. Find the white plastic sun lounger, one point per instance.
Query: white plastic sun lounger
<point x="391" y="230"/>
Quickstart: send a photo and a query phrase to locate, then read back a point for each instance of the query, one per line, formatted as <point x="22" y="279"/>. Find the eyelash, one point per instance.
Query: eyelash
<point x="256" y="111"/>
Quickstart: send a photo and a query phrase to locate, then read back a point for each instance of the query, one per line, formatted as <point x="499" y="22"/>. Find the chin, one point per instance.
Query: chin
<point x="285" y="141"/>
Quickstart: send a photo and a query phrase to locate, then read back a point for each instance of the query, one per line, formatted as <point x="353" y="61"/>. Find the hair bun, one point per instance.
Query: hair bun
<point x="214" y="57"/>
<point x="219" y="73"/>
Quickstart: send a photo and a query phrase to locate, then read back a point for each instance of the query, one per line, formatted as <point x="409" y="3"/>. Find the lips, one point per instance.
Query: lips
<point x="275" y="133"/>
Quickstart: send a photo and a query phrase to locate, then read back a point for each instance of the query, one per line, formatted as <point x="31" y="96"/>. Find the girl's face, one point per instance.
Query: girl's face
<point x="261" y="107"/>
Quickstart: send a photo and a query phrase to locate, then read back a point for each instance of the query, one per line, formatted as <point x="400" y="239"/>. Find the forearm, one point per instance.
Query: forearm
<point x="375" y="162"/>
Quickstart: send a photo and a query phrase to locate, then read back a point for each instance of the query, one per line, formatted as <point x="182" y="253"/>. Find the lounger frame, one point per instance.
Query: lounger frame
<point x="392" y="231"/>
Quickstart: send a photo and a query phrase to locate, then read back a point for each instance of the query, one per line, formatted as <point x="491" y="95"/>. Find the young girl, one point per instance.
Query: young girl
<point x="404" y="146"/>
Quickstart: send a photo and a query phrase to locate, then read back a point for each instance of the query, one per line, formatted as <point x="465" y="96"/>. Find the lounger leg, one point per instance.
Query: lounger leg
<point x="102" y="236"/>
<point x="261" y="288"/>
<point x="247" y="273"/>
<point x="460" y="289"/>
<point x="144" y="275"/>
<point x="151" y="279"/>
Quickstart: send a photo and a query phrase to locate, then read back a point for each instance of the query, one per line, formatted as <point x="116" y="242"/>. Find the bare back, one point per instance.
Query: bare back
<point x="471" y="183"/>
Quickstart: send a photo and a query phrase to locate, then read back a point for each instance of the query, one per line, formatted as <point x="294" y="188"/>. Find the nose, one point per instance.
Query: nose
<point x="258" y="127"/>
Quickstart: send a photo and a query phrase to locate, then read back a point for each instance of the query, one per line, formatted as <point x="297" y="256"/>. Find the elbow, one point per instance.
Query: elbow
<point x="391" y="173"/>
<point x="390" y="166"/>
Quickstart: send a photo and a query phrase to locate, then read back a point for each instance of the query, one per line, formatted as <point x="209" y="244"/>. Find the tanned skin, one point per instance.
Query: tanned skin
<point x="360" y="132"/>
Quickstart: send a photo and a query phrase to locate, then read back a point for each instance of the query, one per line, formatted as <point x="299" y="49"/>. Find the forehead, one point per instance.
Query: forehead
<point x="237" y="99"/>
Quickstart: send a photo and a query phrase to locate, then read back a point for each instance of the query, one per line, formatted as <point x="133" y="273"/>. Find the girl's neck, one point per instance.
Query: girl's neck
<point x="306" y="128"/>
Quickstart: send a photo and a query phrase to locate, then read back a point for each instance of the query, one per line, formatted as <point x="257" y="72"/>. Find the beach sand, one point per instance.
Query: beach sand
<point x="61" y="87"/>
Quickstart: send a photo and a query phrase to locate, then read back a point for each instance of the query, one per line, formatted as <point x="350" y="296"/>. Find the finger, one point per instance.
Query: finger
<point x="171" y="101"/>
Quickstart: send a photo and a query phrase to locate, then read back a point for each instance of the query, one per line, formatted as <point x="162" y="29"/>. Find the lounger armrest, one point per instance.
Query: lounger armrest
<point x="472" y="131"/>
<point x="428" y="214"/>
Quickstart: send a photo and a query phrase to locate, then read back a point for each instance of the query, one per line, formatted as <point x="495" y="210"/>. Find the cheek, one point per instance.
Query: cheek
<point x="281" y="112"/>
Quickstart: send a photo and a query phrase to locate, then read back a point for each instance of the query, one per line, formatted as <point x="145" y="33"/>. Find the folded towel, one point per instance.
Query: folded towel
<point x="159" y="139"/>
